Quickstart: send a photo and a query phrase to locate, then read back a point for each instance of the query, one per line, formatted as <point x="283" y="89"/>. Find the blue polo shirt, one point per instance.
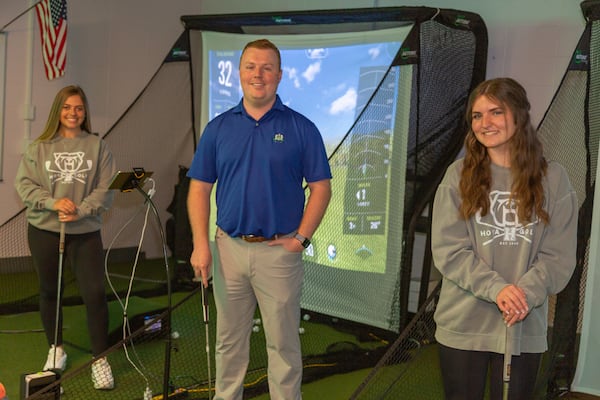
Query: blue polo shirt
<point x="259" y="167"/>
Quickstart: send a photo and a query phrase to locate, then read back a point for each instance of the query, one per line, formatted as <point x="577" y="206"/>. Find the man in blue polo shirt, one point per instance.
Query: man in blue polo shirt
<point x="260" y="152"/>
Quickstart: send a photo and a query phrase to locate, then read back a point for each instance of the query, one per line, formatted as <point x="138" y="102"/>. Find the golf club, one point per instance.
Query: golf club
<point x="61" y="251"/>
<point x="508" y="347"/>
<point x="206" y="330"/>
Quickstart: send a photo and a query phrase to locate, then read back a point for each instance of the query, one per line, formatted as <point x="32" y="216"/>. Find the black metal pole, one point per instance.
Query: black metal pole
<point x="167" y="319"/>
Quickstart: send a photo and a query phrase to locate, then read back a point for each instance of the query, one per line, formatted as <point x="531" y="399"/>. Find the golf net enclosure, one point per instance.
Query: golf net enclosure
<point x="387" y="88"/>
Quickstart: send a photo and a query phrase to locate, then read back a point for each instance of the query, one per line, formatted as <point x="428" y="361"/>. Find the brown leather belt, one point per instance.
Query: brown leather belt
<point x="258" y="239"/>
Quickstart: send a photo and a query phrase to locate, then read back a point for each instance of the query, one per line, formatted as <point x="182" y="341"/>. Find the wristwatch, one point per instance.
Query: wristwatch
<point x="303" y="240"/>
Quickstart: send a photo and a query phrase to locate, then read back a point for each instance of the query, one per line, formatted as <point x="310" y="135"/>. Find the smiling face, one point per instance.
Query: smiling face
<point x="72" y="115"/>
<point x="260" y="74"/>
<point x="494" y="126"/>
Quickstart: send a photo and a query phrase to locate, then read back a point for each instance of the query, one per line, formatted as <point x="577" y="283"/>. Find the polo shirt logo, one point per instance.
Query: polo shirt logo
<point x="278" y="138"/>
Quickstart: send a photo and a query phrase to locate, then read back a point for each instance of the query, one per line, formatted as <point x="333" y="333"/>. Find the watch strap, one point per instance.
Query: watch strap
<point x="304" y="241"/>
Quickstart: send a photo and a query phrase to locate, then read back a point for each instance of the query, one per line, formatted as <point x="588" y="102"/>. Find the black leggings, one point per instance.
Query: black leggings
<point x="84" y="253"/>
<point x="465" y="373"/>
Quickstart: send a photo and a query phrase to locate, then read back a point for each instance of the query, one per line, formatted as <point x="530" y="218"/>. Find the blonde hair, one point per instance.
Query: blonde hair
<point x="53" y="123"/>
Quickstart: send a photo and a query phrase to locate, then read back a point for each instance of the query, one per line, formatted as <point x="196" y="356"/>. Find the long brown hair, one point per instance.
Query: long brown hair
<point x="53" y="123"/>
<point x="527" y="163"/>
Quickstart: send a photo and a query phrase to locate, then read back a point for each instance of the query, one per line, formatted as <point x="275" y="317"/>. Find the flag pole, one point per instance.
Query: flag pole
<point x="20" y="15"/>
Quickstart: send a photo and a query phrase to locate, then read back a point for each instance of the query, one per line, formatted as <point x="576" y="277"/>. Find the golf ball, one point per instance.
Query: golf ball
<point x="306" y="317"/>
<point x="301" y="330"/>
<point x="175" y="335"/>
<point x="255" y="329"/>
<point x="257" y="321"/>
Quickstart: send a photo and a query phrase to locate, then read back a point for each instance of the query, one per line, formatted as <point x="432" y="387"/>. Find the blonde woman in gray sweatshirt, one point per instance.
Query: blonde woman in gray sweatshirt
<point x="63" y="178"/>
<point x="504" y="238"/>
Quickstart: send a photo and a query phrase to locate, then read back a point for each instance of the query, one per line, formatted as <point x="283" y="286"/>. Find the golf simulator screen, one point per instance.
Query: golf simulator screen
<point x="346" y="84"/>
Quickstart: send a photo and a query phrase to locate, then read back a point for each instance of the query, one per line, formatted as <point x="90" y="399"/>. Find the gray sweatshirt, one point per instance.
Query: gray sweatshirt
<point x="480" y="256"/>
<point x="80" y="169"/>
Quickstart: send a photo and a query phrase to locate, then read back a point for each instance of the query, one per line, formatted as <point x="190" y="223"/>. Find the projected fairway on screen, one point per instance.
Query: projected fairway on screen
<point x="330" y="79"/>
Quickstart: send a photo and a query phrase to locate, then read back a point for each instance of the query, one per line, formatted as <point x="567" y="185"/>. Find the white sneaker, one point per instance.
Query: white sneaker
<point x="57" y="359"/>
<point x="102" y="375"/>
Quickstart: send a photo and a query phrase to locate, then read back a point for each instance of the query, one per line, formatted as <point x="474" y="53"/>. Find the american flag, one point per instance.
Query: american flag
<point x="52" y="18"/>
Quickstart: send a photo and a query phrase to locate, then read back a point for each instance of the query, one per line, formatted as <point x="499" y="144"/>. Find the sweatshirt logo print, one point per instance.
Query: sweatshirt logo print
<point x="68" y="167"/>
<point x="503" y="225"/>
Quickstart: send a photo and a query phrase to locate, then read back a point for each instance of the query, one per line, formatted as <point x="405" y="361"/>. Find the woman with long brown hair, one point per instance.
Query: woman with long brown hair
<point x="504" y="239"/>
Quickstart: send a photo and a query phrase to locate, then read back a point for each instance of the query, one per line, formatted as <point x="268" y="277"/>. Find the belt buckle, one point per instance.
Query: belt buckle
<point x="253" y="238"/>
<point x="259" y="239"/>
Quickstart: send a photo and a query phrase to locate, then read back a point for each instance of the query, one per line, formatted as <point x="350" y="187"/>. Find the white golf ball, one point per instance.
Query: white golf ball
<point x="306" y="317"/>
<point x="175" y="335"/>
<point x="255" y="328"/>
<point x="257" y="321"/>
<point x="301" y="330"/>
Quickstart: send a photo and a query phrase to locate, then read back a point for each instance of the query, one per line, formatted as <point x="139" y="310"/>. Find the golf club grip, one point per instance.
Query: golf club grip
<point x="508" y="348"/>
<point x="204" y="306"/>
<point x="61" y="243"/>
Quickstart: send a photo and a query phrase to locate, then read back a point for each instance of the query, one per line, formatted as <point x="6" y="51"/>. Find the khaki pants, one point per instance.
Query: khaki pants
<point x="249" y="274"/>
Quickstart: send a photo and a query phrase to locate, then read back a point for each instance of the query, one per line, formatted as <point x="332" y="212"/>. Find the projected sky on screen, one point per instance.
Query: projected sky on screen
<point x="321" y="83"/>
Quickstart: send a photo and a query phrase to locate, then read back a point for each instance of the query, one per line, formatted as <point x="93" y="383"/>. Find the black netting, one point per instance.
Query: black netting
<point x="570" y="131"/>
<point x="410" y="368"/>
<point x="562" y="133"/>
<point x="138" y="362"/>
<point x="425" y="135"/>
<point x="445" y="52"/>
<point x="437" y="128"/>
<point x="17" y="294"/>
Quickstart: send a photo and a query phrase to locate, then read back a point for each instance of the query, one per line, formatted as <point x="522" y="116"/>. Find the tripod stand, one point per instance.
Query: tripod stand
<point x="126" y="182"/>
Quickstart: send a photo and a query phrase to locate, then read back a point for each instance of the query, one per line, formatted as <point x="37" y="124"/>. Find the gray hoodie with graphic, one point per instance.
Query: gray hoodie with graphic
<point x="79" y="168"/>
<point x="480" y="256"/>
